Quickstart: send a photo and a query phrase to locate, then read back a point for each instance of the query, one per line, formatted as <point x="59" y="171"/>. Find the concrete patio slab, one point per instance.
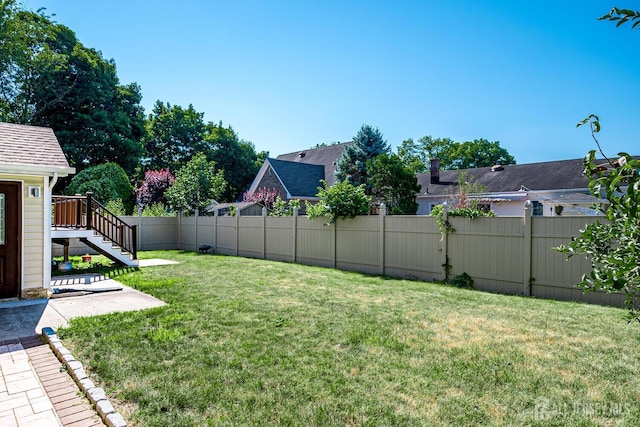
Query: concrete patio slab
<point x="27" y="317"/>
<point x="155" y="261"/>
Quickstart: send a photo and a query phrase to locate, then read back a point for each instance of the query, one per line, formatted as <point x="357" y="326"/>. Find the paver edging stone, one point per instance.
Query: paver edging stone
<point x="96" y="395"/>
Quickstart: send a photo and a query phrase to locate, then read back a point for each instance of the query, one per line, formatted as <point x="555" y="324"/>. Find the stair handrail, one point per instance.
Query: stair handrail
<point x="87" y="213"/>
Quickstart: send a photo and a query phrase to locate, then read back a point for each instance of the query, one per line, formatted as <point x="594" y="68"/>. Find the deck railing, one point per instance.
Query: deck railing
<point x="85" y="213"/>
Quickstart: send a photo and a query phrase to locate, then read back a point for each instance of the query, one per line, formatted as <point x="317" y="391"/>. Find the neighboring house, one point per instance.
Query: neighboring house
<point x="326" y="156"/>
<point x="298" y="175"/>
<point x="555" y="188"/>
<point x="31" y="161"/>
<point x="242" y="208"/>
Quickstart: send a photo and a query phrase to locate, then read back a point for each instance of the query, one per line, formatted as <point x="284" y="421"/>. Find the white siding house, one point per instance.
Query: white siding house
<point x="555" y="188"/>
<point x="31" y="161"/>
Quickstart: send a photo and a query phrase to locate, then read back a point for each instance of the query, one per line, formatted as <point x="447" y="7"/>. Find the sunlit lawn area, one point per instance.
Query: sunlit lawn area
<point x="252" y="342"/>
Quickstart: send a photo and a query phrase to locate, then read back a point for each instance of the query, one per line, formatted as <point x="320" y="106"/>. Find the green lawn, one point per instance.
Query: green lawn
<point x="252" y="342"/>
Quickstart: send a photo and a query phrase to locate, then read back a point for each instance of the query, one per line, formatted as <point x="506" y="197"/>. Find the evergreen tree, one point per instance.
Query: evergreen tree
<point x="367" y="144"/>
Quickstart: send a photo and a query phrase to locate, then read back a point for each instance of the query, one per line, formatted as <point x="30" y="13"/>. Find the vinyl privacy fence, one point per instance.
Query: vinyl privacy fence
<point x="510" y="255"/>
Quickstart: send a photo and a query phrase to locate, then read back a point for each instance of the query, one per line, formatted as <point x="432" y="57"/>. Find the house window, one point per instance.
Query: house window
<point x="2" y="220"/>
<point x="537" y="208"/>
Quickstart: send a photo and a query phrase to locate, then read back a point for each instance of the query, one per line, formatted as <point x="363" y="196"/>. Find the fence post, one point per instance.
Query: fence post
<point x="139" y="229"/>
<point x="445" y="237"/>
<point x="179" y="229"/>
<point x="526" y="253"/>
<point x="383" y="213"/>
<point x="334" y="236"/>
<point x="197" y="213"/>
<point x="295" y="234"/>
<point x="264" y="232"/>
<point x="215" y="230"/>
<point x="237" y="233"/>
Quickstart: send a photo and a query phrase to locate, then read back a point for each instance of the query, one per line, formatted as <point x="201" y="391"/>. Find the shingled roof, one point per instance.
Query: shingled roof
<point x="300" y="179"/>
<point x="326" y="156"/>
<point x="31" y="149"/>
<point x="556" y="175"/>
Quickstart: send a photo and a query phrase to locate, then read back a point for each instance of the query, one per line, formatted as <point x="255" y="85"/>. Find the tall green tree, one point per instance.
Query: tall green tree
<point x="367" y="144"/>
<point x="48" y="78"/>
<point x="412" y="156"/>
<point x="197" y="184"/>
<point x="236" y="157"/>
<point x="467" y="155"/>
<point x="393" y="184"/>
<point x="31" y="48"/>
<point x="173" y="136"/>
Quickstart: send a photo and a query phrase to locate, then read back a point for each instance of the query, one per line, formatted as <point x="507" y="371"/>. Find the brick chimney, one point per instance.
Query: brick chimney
<point x="435" y="171"/>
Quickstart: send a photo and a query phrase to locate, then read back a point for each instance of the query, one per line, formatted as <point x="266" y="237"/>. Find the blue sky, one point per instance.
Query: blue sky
<point x="287" y="75"/>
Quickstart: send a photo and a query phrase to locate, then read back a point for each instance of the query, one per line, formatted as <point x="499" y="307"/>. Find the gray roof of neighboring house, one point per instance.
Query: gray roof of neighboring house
<point x="326" y="156"/>
<point x="31" y="146"/>
<point x="555" y="175"/>
<point x="300" y="179"/>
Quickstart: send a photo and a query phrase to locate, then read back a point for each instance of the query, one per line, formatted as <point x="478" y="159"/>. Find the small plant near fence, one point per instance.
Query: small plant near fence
<point x="462" y="281"/>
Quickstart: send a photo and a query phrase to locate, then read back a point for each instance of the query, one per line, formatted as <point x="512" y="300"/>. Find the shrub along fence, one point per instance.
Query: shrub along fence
<point x="511" y="255"/>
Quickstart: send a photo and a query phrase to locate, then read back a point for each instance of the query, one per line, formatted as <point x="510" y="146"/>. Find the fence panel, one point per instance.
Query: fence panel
<point x="279" y="244"/>
<point x="490" y="250"/>
<point x="155" y="232"/>
<point x="412" y="247"/>
<point x="187" y="233"/>
<point x="555" y="276"/>
<point x="226" y="236"/>
<point x="358" y="244"/>
<point x="315" y="242"/>
<point x="206" y="231"/>
<point x="250" y="236"/>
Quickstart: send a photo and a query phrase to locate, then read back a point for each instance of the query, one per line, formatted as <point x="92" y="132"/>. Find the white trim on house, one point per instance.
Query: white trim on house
<point x="265" y="166"/>
<point x="259" y="175"/>
<point x="34" y="170"/>
<point x="46" y="201"/>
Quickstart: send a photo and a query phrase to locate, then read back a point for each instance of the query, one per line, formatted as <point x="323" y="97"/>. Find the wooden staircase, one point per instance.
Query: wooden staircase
<point x="84" y="218"/>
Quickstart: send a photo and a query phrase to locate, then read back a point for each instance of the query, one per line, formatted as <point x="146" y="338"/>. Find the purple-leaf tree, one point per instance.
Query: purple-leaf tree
<point x="263" y="195"/>
<point x="153" y="187"/>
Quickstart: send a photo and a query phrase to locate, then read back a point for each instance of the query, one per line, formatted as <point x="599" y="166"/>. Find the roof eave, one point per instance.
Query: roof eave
<point x="37" y="170"/>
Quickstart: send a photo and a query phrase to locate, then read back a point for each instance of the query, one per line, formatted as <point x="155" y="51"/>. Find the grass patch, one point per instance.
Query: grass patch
<point x="252" y="342"/>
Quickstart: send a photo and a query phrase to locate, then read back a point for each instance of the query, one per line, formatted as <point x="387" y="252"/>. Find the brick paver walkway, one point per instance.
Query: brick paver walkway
<point x="35" y="391"/>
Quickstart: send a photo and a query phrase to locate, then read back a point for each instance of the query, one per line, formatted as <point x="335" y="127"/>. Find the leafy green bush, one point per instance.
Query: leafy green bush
<point x="283" y="207"/>
<point x="445" y="226"/>
<point x="612" y="246"/>
<point x="156" y="209"/>
<point x="107" y="182"/>
<point x="342" y="200"/>
<point x="462" y="281"/>
<point x="116" y="207"/>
